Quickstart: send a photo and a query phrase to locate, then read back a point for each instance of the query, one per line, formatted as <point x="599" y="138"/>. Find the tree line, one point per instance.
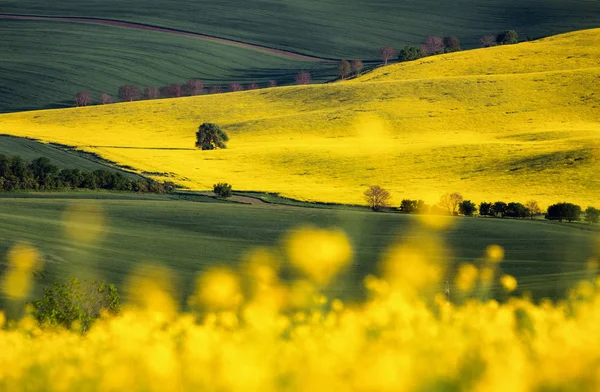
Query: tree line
<point x="40" y="174"/>
<point x="193" y="87"/>
<point x="455" y="204"/>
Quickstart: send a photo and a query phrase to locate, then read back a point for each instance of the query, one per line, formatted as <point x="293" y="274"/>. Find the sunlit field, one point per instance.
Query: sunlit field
<point x="246" y="330"/>
<point x="507" y="123"/>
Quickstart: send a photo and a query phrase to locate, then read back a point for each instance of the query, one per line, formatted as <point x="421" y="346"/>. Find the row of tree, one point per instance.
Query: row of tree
<point x="41" y="174"/>
<point x="129" y="92"/>
<point x="455" y="204"/>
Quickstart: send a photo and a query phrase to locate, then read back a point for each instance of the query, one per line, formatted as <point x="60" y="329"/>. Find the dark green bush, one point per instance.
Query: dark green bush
<point x="222" y="190"/>
<point x="564" y="211"/>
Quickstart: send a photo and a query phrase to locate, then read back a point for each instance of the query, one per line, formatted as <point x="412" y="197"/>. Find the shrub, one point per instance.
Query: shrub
<point x="516" y="210"/>
<point x="76" y="302"/>
<point x="210" y="137"/>
<point x="410" y="52"/>
<point x="451" y="44"/>
<point x="343" y="69"/>
<point x="592" y="215"/>
<point x="222" y="190"/>
<point x="377" y="198"/>
<point x="467" y="208"/>
<point x="357" y="66"/>
<point x="498" y="209"/>
<point x="485" y="209"/>
<point x="507" y="37"/>
<point x="564" y="211"/>
<point x="128" y="93"/>
<point x="303" y="78"/>
<point x="82" y="98"/>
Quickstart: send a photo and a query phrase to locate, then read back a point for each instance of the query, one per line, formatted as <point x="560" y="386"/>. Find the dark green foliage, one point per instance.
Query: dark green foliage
<point x="467" y="208"/>
<point x="222" y="189"/>
<point x="507" y="37"/>
<point x="210" y="137"/>
<point x="410" y="52"/>
<point x="413" y="206"/>
<point x="451" y="44"/>
<point x="76" y="302"/>
<point x="40" y="174"/>
<point x="592" y="215"/>
<point x="485" y="209"/>
<point x="498" y="209"/>
<point x="516" y="210"/>
<point x="564" y="211"/>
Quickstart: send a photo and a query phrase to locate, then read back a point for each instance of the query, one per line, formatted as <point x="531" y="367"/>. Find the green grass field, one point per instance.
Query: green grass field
<point x="188" y="237"/>
<point x="44" y="64"/>
<point x="336" y="28"/>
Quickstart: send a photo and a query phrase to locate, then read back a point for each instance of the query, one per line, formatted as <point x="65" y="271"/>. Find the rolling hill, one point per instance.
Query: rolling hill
<point x="505" y="123"/>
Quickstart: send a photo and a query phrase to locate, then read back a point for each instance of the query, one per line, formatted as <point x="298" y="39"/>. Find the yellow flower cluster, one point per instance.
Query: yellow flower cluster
<point x="250" y="331"/>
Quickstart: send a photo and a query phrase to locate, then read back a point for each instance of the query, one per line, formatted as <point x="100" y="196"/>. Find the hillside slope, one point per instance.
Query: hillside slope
<point x="336" y="28"/>
<point x="509" y="123"/>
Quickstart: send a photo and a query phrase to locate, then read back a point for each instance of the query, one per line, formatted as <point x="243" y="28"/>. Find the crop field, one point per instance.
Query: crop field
<point x="111" y="233"/>
<point x="336" y="28"/>
<point x="44" y="64"/>
<point x="507" y="123"/>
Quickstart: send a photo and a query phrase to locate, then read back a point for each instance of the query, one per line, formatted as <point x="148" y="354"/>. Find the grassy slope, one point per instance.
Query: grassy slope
<point x="44" y="64"/>
<point x="508" y="123"/>
<point x="337" y="28"/>
<point x="61" y="157"/>
<point x="190" y="237"/>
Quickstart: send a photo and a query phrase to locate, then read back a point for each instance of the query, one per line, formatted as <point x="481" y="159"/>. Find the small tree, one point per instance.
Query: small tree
<point x="253" y="86"/>
<point x="451" y="44"/>
<point x="222" y="190"/>
<point x="377" y="198"/>
<point x="387" y="53"/>
<point x="128" y="93"/>
<point x="175" y="90"/>
<point x="151" y="92"/>
<point x="592" y="215"/>
<point x="498" y="209"/>
<point x="210" y="137"/>
<point x="233" y="87"/>
<point x="467" y="208"/>
<point x="303" y="78"/>
<point x="272" y="83"/>
<point x="564" y="211"/>
<point x="488" y="40"/>
<point x="216" y="89"/>
<point x="410" y="52"/>
<point x="450" y="202"/>
<point x="516" y="210"/>
<point x="409" y="206"/>
<point x="76" y="301"/>
<point x="533" y="208"/>
<point x="357" y="66"/>
<point x="485" y="209"/>
<point x="194" y="87"/>
<point x="507" y="37"/>
<point x="105" y="99"/>
<point x="343" y="69"/>
<point x="82" y="98"/>
<point x="433" y="45"/>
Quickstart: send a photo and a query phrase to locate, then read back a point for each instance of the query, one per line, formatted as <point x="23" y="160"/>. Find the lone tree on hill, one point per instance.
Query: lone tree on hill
<point x="377" y="198"/>
<point x="105" y="99"/>
<point x="222" y="190"/>
<point x="210" y="137"/>
<point x="357" y="66"/>
<point x="450" y="202"/>
<point x="128" y="93"/>
<point x="303" y="78"/>
<point x="343" y="69"/>
<point x="410" y="52"/>
<point x="507" y="37"/>
<point x="387" y="53"/>
<point x="592" y="215"/>
<point x="451" y="44"/>
<point x="82" y="99"/>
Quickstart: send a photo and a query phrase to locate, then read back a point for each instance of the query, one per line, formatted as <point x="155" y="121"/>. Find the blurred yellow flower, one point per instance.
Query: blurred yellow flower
<point x="494" y="253"/>
<point x="508" y="282"/>
<point x="466" y="277"/>
<point x="319" y="254"/>
<point x="218" y="289"/>
<point x="84" y="221"/>
<point x="22" y="259"/>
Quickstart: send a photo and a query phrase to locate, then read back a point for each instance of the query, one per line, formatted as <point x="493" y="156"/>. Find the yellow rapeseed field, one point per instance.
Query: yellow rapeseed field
<point x="248" y="331"/>
<point x="506" y="123"/>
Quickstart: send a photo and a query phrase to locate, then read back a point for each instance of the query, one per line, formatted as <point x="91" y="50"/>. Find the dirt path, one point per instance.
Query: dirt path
<point x="142" y="26"/>
<point x="240" y="199"/>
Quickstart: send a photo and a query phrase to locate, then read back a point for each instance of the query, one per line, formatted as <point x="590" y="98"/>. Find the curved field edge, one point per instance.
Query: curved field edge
<point x="507" y="123"/>
<point x="45" y="63"/>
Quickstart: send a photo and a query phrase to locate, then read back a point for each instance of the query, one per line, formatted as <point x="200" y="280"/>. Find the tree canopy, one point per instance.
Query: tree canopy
<point x="211" y="137"/>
